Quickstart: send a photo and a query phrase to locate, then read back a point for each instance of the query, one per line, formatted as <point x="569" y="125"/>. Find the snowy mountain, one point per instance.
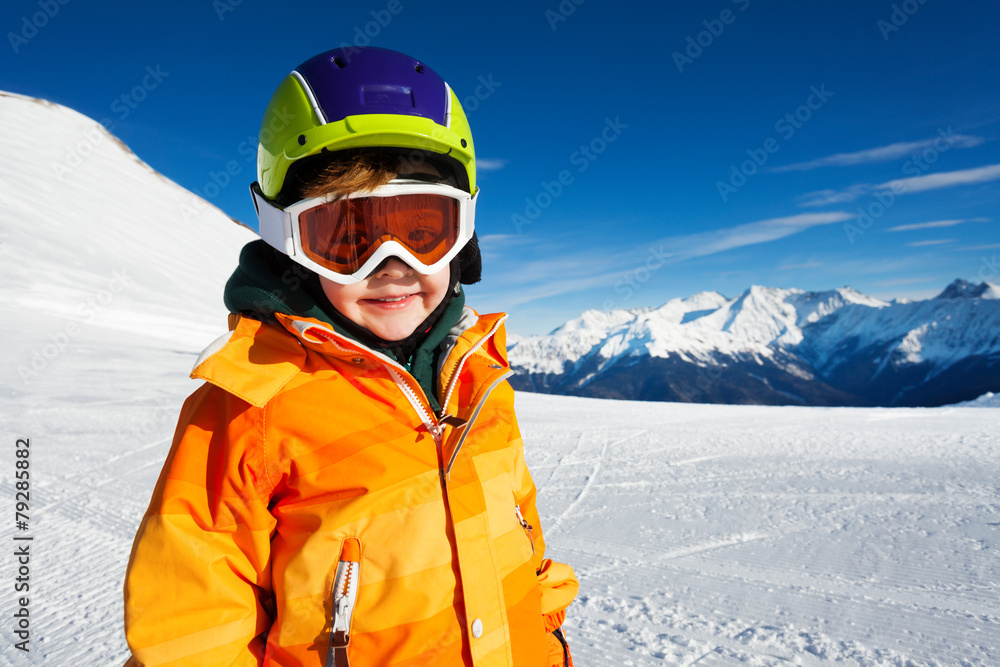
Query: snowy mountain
<point x="93" y="238"/>
<point x="960" y="289"/>
<point x="777" y="346"/>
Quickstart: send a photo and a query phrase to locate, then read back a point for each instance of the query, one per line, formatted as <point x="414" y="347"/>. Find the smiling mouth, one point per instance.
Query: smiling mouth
<point x="392" y="302"/>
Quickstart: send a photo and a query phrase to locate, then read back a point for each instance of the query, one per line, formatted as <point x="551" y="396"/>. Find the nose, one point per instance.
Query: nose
<point x="392" y="268"/>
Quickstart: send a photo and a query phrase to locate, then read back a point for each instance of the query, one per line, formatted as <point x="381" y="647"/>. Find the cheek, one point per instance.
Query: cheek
<point x="341" y="296"/>
<point x="437" y="284"/>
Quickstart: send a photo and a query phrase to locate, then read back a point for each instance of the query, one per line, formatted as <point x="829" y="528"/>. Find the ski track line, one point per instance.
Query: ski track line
<point x="715" y="633"/>
<point x="120" y="525"/>
<point x="712" y="545"/>
<point x="118" y="457"/>
<point x="700" y="459"/>
<point x="923" y="603"/>
<point x="636" y="630"/>
<point x="898" y="590"/>
<point x="921" y="623"/>
<point x="660" y="556"/>
<point x="559" y="464"/>
<point x="798" y="658"/>
<point x="950" y="607"/>
<point x="109" y="476"/>
<point x="554" y="526"/>
<point x="98" y="485"/>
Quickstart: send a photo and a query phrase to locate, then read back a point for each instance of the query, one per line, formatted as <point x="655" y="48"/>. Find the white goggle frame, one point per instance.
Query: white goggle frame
<point x="279" y="228"/>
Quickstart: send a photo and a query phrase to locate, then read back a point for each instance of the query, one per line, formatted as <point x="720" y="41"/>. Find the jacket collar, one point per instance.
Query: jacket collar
<point x="256" y="359"/>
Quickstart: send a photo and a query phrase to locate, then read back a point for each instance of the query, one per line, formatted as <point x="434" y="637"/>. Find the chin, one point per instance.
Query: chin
<point x="392" y="332"/>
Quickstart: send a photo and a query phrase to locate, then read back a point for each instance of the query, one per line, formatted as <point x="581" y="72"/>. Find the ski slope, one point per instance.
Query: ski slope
<point x="702" y="534"/>
<point x="718" y="535"/>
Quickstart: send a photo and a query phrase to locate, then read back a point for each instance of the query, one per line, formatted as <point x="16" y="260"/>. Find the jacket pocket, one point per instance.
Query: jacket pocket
<point x="345" y="593"/>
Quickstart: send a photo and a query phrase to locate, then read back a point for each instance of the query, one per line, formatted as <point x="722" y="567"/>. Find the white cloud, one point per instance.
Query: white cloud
<point x="807" y="265"/>
<point x="907" y="281"/>
<point x="921" y="244"/>
<point x="490" y="165"/>
<point x="709" y="243"/>
<point x="883" y="153"/>
<point x="504" y="240"/>
<point x="828" y="197"/>
<point x="563" y="274"/>
<point x="933" y="225"/>
<point x="946" y="179"/>
<point x="902" y="186"/>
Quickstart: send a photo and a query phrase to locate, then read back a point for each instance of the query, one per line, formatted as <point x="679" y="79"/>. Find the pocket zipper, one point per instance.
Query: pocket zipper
<point x="345" y="592"/>
<point x="527" y="527"/>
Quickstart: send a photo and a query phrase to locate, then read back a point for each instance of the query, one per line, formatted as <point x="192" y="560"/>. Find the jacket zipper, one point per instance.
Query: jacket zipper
<point x="527" y="527"/>
<point x="345" y="593"/>
<point x="472" y="418"/>
<point x="418" y="404"/>
<point x="461" y="362"/>
<point x="396" y="372"/>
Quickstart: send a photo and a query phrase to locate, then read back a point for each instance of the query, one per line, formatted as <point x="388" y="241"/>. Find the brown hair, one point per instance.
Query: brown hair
<point x="361" y="173"/>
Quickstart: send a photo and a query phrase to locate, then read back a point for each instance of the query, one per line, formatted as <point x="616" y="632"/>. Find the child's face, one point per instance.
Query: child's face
<point x="392" y="301"/>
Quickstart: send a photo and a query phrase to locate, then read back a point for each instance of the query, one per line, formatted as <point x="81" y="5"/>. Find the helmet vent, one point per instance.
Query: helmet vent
<point x="419" y="68"/>
<point x="339" y="62"/>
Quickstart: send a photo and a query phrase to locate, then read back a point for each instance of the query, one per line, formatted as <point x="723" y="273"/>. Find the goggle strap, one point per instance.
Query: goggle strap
<point x="275" y="225"/>
<point x="470" y="213"/>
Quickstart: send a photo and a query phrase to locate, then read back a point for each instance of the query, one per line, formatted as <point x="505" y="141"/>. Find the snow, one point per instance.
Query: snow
<point x="796" y="330"/>
<point x="987" y="400"/>
<point x="93" y="237"/>
<point x="757" y="535"/>
<point x="702" y="534"/>
<point x="961" y="289"/>
<point x="701" y="327"/>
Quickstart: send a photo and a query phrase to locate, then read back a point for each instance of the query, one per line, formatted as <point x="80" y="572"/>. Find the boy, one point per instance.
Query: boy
<point x="348" y="487"/>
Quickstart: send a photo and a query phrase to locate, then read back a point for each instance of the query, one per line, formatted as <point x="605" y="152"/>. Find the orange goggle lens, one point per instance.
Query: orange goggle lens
<point x="342" y="235"/>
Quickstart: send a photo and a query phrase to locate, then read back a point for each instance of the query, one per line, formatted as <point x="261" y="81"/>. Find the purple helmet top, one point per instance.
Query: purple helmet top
<point x="355" y="81"/>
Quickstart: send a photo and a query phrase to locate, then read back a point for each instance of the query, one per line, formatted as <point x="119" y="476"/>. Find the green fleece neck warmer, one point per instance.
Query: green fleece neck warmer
<point x="267" y="282"/>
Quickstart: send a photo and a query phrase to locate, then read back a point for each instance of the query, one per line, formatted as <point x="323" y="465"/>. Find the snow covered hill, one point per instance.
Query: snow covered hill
<point x="777" y="346"/>
<point x="91" y="237"/>
<point x="701" y="534"/>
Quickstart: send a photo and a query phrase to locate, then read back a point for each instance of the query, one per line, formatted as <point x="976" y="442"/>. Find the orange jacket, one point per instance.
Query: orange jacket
<point x="314" y="511"/>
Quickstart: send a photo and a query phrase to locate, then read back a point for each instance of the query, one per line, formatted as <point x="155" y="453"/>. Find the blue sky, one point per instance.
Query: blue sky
<point x="630" y="152"/>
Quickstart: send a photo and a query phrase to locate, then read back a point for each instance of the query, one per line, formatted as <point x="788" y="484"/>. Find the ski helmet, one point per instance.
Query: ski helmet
<point x="356" y="98"/>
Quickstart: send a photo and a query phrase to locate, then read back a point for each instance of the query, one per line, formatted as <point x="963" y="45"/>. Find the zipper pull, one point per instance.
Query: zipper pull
<point x="345" y="592"/>
<point x="526" y="526"/>
<point x="452" y="420"/>
<point x="455" y="422"/>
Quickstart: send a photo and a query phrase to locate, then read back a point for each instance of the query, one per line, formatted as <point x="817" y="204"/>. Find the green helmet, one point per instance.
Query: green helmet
<point x="358" y="98"/>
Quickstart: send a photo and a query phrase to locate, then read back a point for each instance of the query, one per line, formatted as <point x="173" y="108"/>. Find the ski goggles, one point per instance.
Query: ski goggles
<point x="346" y="239"/>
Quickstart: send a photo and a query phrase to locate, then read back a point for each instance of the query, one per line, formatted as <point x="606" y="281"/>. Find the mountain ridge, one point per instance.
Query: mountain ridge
<point x="776" y="346"/>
